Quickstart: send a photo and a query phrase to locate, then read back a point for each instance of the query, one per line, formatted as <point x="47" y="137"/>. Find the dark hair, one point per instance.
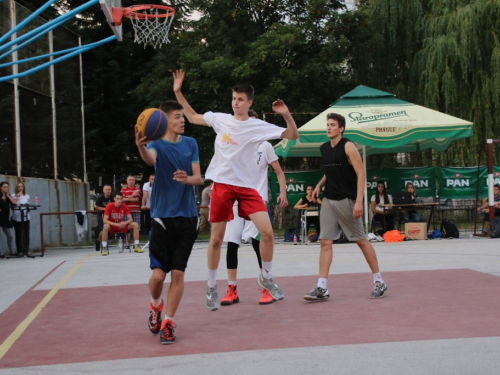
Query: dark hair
<point x="171" y="105"/>
<point x="497" y="186"/>
<point x="103" y="186"/>
<point x="152" y="174"/>
<point x="339" y="118"/>
<point x="207" y="182"/>
<point x="119" y="194"/>
<point x="384" y="192"/>
<point x="252" y="113"/>
<point x="3" y="183"/>
<point x="245" y="89"/>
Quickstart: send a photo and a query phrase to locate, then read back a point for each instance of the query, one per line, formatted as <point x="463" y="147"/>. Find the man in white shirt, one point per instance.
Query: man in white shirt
<point x="146" y="204"/>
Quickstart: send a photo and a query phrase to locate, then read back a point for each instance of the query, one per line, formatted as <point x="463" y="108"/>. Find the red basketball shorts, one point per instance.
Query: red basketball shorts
<point x="113" y="229"/>
<point x="223" y="197"/>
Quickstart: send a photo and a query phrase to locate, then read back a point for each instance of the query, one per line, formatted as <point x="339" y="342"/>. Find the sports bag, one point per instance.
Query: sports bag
<point x="448" y="229"/>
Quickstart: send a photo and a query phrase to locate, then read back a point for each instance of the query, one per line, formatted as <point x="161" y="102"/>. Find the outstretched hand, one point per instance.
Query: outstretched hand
<point x="178" y="78"/>
<point x="280" y="107"/>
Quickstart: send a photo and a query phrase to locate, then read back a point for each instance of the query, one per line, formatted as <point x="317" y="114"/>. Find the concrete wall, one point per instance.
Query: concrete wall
<point x="53" y="196"/>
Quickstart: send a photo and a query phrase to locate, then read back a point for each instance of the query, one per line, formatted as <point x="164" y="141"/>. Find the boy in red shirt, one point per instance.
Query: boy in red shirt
<point x="113" y="223"/>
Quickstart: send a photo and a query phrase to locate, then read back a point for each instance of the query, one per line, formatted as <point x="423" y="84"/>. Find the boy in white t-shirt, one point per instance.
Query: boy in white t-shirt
<point x="233" y="173"/>
<point x="238" y="228"/>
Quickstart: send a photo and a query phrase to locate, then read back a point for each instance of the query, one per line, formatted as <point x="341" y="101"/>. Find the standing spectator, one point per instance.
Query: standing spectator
<point x="102" y="201"/>
<point x="5" y="221"/>
<point x="146" y="204"/>
<point x="22" y="224"/>
<point x="132" y="198"/>
<point x="206" y="194"/>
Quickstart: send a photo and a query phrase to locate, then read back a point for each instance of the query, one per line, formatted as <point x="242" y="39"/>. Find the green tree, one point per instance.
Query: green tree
<point x="440" y="54"/>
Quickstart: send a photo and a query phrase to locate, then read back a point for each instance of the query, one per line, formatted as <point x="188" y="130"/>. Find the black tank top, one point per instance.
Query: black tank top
<point x="341" y="179"/>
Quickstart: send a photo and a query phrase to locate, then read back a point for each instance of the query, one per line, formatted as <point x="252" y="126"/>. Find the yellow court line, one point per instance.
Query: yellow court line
<point x="7" y="344"/>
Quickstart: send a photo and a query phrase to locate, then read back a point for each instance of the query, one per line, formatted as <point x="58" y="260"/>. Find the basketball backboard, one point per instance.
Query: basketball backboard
<point x="107" y="6"/>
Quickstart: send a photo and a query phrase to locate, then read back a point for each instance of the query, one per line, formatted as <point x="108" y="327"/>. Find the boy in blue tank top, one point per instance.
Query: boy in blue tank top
<point x="174" y="216"/>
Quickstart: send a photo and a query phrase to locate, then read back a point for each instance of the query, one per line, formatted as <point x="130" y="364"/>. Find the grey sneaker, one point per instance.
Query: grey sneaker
<point x="317" y="294"/>
<point x="273" y="289"/>
<point x="378" y="290"/>
<point x="212" y="298"/>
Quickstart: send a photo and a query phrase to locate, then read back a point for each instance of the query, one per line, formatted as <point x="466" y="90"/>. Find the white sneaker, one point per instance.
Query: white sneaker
<point x="379" y="238"/>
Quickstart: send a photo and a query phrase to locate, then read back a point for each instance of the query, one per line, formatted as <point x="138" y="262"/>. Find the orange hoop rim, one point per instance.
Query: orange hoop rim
<point x="133" y="11"/>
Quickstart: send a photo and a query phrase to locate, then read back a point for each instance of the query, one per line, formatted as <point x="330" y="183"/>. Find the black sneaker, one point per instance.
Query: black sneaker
<point x="317" y="294"/>
<point x="154" y="320"/>
<point x="97" y="245"/>
<point x="167" y="332"/>
<point x="378" y="290"/>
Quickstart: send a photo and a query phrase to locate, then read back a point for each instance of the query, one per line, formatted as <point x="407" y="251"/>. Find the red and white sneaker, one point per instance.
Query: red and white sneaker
<point x="266" y="298"/>
<point x="231" y="295"/>
<point x="154" y="320"/>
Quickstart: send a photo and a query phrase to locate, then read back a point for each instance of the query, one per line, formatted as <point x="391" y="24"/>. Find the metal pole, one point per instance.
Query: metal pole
<point x="82" y="108"/>
<point x="53" y="104"/>
<point x="15" y="71"/>
<point x="491" y="201"/>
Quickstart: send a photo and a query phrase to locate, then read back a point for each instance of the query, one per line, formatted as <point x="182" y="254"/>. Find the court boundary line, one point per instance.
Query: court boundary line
<point x="14" y="336"/>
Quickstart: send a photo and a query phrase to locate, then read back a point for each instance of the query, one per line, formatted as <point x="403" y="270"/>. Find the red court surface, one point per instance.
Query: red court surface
<point x="107" y="323"/>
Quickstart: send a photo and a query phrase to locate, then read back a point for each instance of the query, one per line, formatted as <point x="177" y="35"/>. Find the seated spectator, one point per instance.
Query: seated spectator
<point x="113" y="223"/>
<point x="146" y="204"/>
<point x="206" y="194"/>
<point x="380" y="214"/>
<point x="101" y="202"/>
<point x="132" y="198"/>
<point x="307" y="202"/>
<point x="410" y="215"/>
<point x="486" y="209"/>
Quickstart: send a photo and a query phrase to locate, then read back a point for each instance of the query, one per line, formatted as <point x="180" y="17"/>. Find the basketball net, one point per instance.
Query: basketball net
<point x="151" y="23"/>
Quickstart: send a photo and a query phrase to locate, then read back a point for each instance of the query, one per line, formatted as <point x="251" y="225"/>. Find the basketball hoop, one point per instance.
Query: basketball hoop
<point x="151" y="23"/>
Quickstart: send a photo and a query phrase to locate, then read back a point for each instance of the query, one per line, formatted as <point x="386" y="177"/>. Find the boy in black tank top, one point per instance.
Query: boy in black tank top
<point x="342" y="207"/>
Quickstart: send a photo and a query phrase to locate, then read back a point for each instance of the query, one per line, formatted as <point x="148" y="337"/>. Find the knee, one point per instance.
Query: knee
<point x="177" y="276"/>
<point x="158" y="277"/>
<point x="106" y="228"/>
<point x="267" y="234"/>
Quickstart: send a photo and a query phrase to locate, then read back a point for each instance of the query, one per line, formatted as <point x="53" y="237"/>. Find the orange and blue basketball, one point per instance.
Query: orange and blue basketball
<point x="312" y="237"/>
<point x="152" y="124"/>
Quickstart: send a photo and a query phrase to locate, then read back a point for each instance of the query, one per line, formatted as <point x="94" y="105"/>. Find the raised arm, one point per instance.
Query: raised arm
<point x="282" y="182"/>
<point x="189" y="112"/>
<point x="291" y="131"/>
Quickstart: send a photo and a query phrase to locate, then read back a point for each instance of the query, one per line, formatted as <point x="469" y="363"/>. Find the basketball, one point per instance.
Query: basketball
<point x="312" y="237"/>
<point x="152" y="124"/>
